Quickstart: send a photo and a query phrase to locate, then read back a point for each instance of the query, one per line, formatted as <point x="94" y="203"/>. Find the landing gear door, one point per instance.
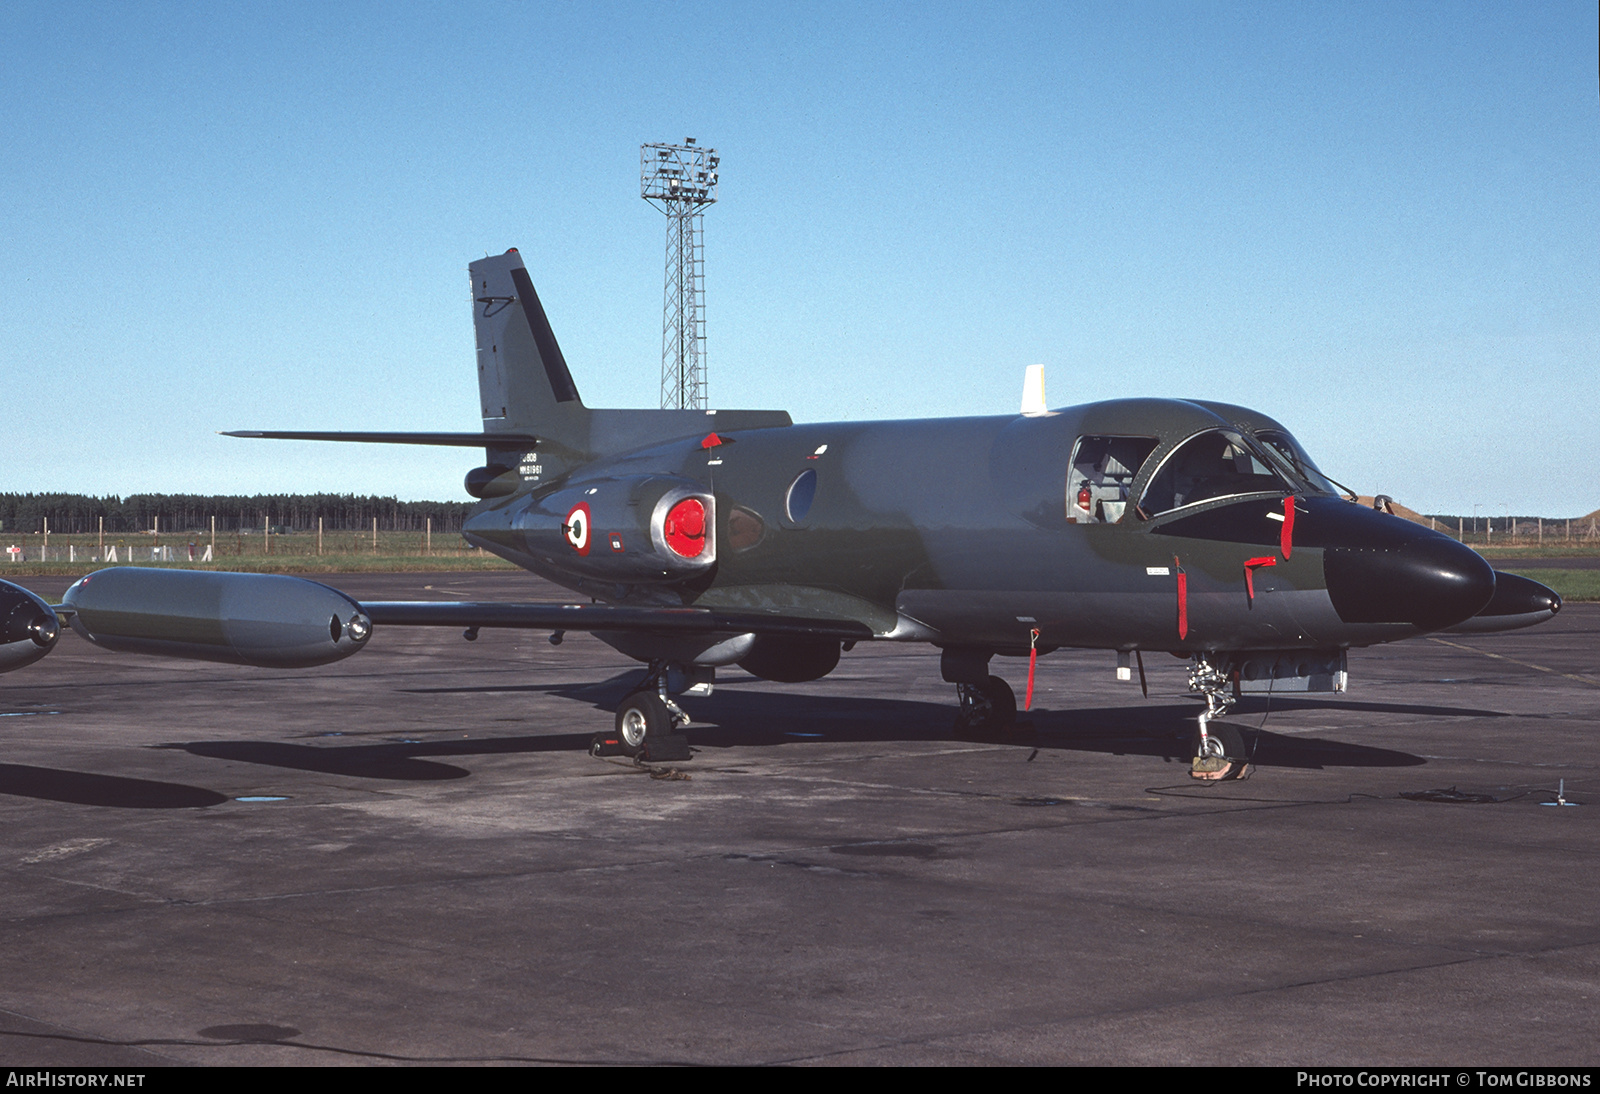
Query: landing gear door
<point x="1101" y="476"/>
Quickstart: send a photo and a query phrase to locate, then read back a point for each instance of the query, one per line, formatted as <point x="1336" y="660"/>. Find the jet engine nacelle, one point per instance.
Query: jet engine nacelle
<point x="791" y="660"/>
<point x="28" y="627"/>
<point x="785" y="659"/>
<point x="252" y="619"/>
<point x="644" y="528"/>
<point x="492" y="481"/>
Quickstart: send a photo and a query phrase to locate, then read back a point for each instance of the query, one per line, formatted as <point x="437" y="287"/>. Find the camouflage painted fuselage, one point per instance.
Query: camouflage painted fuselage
<point x="961" y="532"/>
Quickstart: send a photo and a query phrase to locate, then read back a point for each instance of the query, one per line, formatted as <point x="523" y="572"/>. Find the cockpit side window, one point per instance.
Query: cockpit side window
<point x="1289" y="448"/>
<point x="1216" y="464"/>
<point x="1101" y="475"/>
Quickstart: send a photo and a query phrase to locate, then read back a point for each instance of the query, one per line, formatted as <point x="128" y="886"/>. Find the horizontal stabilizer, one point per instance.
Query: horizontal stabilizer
<point x="606" y="617"/>
<point x="454" y="440"/>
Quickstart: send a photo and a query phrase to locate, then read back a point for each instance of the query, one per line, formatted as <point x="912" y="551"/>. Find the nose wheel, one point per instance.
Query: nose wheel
<point x="1220" y="754"/>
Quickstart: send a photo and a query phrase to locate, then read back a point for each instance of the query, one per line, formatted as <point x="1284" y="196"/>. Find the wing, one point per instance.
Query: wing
<point x="607" y="617"/>
<point x="275" y="620"/>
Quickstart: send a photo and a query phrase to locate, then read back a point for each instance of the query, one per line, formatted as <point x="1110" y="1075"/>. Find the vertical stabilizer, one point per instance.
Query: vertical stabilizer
<point x="536" y="429"/>
<point x="524" y="385"/>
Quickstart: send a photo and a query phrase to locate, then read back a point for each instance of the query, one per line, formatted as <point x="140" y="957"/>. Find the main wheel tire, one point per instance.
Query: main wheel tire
<point x="994" y="709"/>
<point x="1002" y="704"/>
<point x="641" y="714"/>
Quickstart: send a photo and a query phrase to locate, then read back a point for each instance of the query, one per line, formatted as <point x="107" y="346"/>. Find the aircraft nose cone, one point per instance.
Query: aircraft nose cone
<point x="1518" y="602"/>
<point x="1431" y="582"/>
<point x="1517" y="595"/>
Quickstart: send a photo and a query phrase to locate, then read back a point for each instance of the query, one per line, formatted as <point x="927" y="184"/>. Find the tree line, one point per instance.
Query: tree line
<point x="79" y="513"/>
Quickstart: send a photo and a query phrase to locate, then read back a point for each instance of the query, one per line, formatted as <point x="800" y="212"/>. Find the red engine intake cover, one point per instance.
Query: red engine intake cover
<point x="685" y="528"/>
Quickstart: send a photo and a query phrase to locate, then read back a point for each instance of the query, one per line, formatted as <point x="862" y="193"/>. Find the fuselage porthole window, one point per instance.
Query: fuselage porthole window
<point x="802" y="492"/>
<point x="745" y="528"/>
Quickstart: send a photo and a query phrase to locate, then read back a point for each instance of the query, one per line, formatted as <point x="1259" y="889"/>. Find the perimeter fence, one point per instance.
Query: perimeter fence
<point x="191" y="528"/>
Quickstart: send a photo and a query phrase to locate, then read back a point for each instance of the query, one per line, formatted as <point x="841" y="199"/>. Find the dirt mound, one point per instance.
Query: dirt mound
<point x="1397" y="509"/>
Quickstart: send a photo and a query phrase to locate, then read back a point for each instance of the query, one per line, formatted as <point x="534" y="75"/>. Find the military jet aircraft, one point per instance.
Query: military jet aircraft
<point x="703" y="539"/>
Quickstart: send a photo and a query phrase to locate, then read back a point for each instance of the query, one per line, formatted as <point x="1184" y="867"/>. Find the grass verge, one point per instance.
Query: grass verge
<point x="1572" y="585"/>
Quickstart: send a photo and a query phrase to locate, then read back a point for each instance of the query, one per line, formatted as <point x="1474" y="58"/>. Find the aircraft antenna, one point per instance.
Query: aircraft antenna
<point x="681" y="180"/>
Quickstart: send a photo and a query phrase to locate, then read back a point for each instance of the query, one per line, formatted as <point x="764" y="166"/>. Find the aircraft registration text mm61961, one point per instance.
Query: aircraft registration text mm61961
<point x="702" y="539"/>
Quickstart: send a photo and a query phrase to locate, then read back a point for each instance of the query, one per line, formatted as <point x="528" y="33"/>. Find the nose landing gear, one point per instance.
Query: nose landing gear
<point x="1219" y="751"/>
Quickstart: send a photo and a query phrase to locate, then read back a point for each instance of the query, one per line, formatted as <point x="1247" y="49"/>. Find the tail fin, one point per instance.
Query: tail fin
<point x="524" y="384"/>
<point x="533" y="420"/>
<point x="525" y="387"/>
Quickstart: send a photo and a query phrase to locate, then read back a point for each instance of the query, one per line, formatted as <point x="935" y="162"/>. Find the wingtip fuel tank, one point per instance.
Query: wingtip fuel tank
<point x="28" y="627"/>
<point x="268" y="620"/>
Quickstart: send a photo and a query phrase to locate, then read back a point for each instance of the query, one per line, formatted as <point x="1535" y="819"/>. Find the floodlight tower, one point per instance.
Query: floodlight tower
<point x="681" y="180"/>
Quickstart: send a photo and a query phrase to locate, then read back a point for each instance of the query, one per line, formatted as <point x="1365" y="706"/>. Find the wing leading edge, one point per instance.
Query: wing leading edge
<point x="606" y="617"/>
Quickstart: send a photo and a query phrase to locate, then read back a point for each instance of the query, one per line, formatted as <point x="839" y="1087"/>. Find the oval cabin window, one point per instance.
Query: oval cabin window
<point x="802" y="492"/>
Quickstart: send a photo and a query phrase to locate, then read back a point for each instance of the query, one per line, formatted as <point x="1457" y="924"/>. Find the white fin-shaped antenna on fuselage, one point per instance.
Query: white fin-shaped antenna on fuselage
<point x="1033" y="391"/>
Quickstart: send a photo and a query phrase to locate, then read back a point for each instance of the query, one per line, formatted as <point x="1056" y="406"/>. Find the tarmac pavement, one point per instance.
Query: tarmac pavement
<point x="434" y="870"/>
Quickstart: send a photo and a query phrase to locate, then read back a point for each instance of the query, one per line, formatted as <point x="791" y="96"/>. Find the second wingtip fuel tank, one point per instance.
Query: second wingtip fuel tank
<point x="268" y="620"/>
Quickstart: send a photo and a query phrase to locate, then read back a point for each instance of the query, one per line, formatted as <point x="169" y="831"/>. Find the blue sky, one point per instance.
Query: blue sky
<point x="1379" y="223"/>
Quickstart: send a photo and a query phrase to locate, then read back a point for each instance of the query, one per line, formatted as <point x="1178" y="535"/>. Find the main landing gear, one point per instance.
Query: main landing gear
<point x="1219" y="751"/>
<point x="989" y="707"/>
<point x="646" y="720"/>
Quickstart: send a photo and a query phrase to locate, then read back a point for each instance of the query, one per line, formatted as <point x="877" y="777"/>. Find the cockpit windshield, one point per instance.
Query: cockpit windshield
<point x="1286" y="446"/>
<point x="1216" y="464"/>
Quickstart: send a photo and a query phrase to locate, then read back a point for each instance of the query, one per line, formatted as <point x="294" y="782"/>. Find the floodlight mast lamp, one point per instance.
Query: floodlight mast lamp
<point x="681" y="180"/>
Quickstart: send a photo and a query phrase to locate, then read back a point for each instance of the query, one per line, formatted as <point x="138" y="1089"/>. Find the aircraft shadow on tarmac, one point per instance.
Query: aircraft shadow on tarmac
<point x="114" y="791"/>
<point x="397" y="761"/>
<point x="1163" y="730"/>
<point x="733" y="717"/>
